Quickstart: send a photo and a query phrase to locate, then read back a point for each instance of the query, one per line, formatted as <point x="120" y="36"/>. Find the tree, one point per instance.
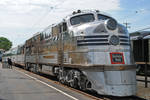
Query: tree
<point x="5" y="43"/>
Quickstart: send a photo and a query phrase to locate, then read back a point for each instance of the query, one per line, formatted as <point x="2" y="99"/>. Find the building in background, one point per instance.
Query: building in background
<point x="1" y="54"/>
<point x="140" y="43"/>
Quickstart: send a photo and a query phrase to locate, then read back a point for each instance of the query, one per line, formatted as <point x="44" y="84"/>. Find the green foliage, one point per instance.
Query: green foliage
<point x="5" y="43"/>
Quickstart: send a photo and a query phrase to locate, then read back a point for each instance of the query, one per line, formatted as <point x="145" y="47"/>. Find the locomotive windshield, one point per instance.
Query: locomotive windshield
<point x="82" y="19"/>
<point x="102" y="17"/>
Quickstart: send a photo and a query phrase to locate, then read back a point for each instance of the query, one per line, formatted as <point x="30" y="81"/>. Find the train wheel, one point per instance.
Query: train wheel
<point x="74" y="83"/>
<point x="28" y="67"/>
<point x="37" y="68"/>
<point x="83" y="81"/>
<point x="61" y="80"/>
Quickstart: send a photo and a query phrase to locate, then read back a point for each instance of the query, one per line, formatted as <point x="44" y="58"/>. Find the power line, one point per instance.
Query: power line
<point x="42" y="18"/>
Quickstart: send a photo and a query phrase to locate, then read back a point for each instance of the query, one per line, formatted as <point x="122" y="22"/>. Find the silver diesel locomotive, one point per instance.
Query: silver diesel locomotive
<point x="87" y="50"/>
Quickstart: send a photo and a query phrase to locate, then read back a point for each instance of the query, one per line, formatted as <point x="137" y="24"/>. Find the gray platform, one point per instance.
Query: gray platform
<point x="17" y="86"/>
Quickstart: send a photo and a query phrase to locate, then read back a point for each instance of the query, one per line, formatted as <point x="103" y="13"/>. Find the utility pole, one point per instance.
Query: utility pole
<point x="127" y="24"/>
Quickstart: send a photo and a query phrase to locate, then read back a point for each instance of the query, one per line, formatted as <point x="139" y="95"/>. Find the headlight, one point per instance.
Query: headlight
<point x="82" y="33"/>
<point x="111" y="24"/>
<point x="114" y="40"/>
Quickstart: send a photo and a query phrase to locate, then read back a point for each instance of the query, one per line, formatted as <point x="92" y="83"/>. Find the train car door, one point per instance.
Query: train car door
<point x="63" y="29"/>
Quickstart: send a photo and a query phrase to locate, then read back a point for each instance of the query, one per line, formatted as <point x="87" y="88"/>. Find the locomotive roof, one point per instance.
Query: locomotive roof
<point x="80" y="12"/>
<point x="140" y="35"/>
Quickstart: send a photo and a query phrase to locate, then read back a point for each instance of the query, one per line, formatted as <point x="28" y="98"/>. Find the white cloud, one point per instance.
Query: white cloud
<point x="21" y="18"/>
<point x="94" y="4"/>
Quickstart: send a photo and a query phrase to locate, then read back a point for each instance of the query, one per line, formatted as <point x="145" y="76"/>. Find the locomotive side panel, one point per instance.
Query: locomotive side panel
<point x="50" y="58"/>
<point x="20" y="59"/>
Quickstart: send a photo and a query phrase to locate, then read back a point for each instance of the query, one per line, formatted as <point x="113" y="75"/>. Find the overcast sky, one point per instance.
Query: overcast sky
<point x="20" y="19"/>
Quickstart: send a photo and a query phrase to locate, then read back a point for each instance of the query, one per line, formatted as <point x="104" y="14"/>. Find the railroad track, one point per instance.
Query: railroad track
<point x="92" y="95"/>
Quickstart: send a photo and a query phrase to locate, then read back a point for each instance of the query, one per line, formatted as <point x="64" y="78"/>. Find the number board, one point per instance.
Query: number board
<point x="117" y="58"/>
